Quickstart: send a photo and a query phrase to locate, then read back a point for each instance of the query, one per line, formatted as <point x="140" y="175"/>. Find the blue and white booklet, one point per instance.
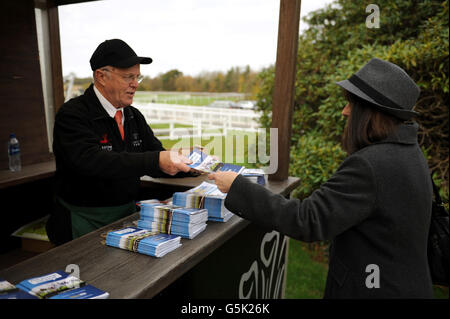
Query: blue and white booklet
<point x="149" y="202"/>
<point x="59" y="285"/>
<point x="255" y="175"/>
<point x="143" y="241"/>
<point x="204" y="163"/>
<point x="171" y="219"/>
<point x="183" y="230"/>
<point x="85" y="292"/>
<point x="205" y="196"/>
<point x="173" y="212"/>
<point x="9" y="291"/>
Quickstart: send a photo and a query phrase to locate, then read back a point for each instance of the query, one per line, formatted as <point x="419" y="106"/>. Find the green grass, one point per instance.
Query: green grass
<point x="307" y="271"/>
<point x="305" y="277"/>
<point x="440" y="292"/>
<point x="143" y="97"/>
<point x="218" y="146"/>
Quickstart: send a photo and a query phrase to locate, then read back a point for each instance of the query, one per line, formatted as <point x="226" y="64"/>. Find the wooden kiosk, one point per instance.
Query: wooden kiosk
<point x="235" y="259"/>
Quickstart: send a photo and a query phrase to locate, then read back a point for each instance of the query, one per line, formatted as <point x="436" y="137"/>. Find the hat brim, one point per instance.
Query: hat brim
<point x="402" y="114"/>
<point x="132" y="61"/>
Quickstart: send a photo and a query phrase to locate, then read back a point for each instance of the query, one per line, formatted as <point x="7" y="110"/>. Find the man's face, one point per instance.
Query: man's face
<point x="121" y="84"/>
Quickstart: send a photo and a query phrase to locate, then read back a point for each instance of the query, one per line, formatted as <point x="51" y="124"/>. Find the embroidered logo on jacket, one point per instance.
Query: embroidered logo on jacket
<point x="136" y="142"/>
<point x="105" y="144"/>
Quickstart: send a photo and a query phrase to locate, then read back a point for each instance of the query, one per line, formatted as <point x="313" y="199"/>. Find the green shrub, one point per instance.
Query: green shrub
<point x="412" y="34"/>
<point x="315" y="161"/>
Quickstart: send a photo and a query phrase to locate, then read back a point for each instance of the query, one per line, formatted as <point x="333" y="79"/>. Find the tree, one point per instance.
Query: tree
<point x="185" y="84"/>
<point x="215" y="81"/>
<point x="169" y="78"/>
<point x="231" y="81"/>
<point x="244" y="80"/>
<point x="412" y="34"/>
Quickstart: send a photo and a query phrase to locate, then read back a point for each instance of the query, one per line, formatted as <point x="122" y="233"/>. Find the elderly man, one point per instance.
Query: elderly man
<point x="102" y="146"/>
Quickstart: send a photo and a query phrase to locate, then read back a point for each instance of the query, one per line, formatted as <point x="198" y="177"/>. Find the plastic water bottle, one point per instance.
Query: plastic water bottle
<point x="15" y="164"/>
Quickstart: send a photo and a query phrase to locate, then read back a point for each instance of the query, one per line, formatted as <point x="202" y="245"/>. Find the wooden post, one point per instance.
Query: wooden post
<point x="23" y="109"/>
<point x="284" y="88"/>
<point x="55" y="52"/>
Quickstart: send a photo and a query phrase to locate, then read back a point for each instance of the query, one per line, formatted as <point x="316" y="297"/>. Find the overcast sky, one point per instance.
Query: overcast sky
<point x="189" y="35"/>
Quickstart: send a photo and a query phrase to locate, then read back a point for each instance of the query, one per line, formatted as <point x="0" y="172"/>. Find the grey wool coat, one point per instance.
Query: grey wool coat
<point x="375" y="210"/>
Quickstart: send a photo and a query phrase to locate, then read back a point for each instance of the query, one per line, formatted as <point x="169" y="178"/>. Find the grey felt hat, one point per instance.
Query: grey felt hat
<point x="386" y="86"/>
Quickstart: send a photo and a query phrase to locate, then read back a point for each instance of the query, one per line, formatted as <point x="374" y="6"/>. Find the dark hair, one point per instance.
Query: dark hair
<point x="366" y="124"/>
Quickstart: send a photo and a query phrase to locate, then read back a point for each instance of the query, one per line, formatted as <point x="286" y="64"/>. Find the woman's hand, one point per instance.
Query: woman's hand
<point x="223" y="180"/>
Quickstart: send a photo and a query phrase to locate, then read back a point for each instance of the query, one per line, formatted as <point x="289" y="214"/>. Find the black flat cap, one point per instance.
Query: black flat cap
<point x="116" y="52"/>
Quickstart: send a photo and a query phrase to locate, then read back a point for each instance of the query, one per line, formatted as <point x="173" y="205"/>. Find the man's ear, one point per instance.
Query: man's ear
<point x="100" y="76"/>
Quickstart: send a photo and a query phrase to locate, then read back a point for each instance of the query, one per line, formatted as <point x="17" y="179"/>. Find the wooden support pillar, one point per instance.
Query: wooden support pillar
<point x="55" y="52"/>
<point x="284" y="88"/>
<point x="23" y="109"/>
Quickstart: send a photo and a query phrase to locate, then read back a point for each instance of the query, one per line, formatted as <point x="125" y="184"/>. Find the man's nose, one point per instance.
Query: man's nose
<point x="134" y="83"/>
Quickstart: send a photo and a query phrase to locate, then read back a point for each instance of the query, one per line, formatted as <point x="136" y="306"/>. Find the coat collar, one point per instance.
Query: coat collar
<point x="97" y="111"/>
<point x="109" y="108"/>
<point x="405" y="134"/>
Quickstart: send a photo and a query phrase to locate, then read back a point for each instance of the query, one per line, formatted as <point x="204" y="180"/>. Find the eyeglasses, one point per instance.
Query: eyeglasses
<point x="128" y="78"/>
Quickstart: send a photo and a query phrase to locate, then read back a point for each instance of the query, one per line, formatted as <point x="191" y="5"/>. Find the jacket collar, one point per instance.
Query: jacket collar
<point x="97" y="111"/>
<point x="405" y="134"/>
<point x="110" y="109"/>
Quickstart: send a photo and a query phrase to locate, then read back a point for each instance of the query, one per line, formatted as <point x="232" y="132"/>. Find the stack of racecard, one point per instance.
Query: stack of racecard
<point x="56" y="285"/>
<point x="143" y="241"/>
<point x="255" y="175"/>
<point x="10" y="291"/>
<point x="205" y="196"/>
<point x="170" y="219"/>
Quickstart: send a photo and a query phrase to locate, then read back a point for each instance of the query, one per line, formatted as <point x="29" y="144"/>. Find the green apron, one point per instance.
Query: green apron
<point x="86" y="219"/>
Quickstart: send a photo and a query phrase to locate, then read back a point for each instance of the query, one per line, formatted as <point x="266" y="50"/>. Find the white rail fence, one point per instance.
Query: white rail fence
<point x="204" y="121"/>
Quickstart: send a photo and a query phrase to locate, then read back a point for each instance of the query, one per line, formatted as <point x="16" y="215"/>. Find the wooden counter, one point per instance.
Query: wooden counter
<point x="127" y="274"/>
<point x="29" y="173"/>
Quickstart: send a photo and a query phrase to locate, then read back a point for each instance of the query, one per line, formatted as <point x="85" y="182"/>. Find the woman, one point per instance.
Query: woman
<point x="375" y="209"/>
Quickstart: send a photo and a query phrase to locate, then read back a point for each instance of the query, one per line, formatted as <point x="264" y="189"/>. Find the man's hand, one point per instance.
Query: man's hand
<point x="172" y="163"/>
<point x="223" y="180"/>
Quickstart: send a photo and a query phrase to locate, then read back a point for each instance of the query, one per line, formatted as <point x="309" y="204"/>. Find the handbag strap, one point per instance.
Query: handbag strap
<point x="438" y="201"/>
<point x="437" y="197"/>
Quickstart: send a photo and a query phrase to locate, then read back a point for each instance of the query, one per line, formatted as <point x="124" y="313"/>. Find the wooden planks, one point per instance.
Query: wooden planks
<point x="20" y="84"/>
<point x="131" y="275"/>
<point x="126" y="274"/>
<point x="182" y="182"/>
<point x="282" y="187"/>
<point x="29" y="173"/>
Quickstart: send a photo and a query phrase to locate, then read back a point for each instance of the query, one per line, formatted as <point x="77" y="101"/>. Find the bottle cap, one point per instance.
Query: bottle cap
<point x="12" y="135"/>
